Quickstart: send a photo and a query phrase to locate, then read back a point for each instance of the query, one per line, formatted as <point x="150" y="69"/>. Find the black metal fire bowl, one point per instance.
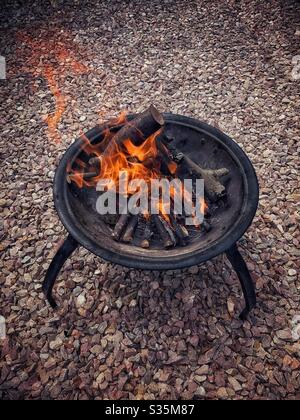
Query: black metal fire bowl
<point x="210" y="148"/>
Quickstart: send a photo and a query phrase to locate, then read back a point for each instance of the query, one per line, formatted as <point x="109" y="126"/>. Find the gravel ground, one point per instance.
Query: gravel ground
<point x="128" y="334"/>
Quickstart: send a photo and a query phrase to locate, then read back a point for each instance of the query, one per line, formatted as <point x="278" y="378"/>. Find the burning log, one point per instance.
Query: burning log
<point x="141" y="127"/>
<point x="168" y="164"/>
<point x="137" y="130"/>
<point x="84" y="175"/>
<point x="149" y="162"/>
<point x="95" y="161"/>
<point x="147" y="234"/>
<point x="180" y="231"/>
<point x="129" y="232"/>
<point x="120" y="226"/>
<point x="164" y="231"/>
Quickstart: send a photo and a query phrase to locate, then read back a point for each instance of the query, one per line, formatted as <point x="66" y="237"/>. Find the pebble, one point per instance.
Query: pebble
<point x="193" y="270"/>
<point x="235" y="384"/>
<point x="81" y="300"/>
<point x="2" y="328"/>
<point x="292" y="272"/>
<point x="222" y="393"/>
<point x="56" y="344"/>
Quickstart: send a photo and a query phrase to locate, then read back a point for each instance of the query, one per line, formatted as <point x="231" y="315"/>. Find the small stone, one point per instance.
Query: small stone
<point x="154" y="285"/>
<point x="56" y="344"/>
<point x="2" y="328"/>
<point x="97" y="349"/>
<point x="194" y="269"/>
<point x="235" y="384"/>
<point x="119" y="303"/>
<point x="27" y="277"/>
<point x="199" y="379"/>
<point x="100" y="378"/>
<point x="230" y="306"/>
<point x="292" y="272"/>
<point x="80" y="301"/>
<point x="203" y="370"/>
<point x="222" y="393"/>
<point x="284" y="334"/>
<point x="194" y="340"/>
<point x="3" y="202"/>
<point x="51" y="363"/>
<point x="200" y="391"/>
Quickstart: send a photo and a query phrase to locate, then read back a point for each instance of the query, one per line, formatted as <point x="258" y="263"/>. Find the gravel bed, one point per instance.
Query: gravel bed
<point x="130" y="334"/>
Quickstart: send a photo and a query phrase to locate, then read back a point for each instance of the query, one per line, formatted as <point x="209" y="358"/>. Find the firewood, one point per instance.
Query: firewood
<point x="164" y="230"/>
<point x="120" y="226"/>
<point x="85" y="176"/>
<point x="141" y="127"/>
<point x="95" y="161"/>
<point x="181" y="231"/>
<point x="137" y="130"/>
<point x="147" y="234"/>
<point x="212" y="185"/>
<point x="168" y="165"/>
<point x="150" y="163"/>
<point x="109" y="219"/>
<point x="130" y="229"/>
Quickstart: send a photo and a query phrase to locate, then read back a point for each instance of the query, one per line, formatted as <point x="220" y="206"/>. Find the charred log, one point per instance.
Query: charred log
<point x="168" y="165"/>
<point x="120" y="226"/>
<point x="130" y="229"/>
<point x="147" y="234"/>
<point x="212" y="184"/>
<point x="165" y="232"/>
<point x="141" y="127"/>
<point x="181" y="231"/>
<point x="137" y="130"/>
<point x="84" y="175"/>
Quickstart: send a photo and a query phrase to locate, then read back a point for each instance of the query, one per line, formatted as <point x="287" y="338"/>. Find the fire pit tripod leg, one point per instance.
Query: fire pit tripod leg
<point x="246" y="281"/>
<point x="67" y="248"/>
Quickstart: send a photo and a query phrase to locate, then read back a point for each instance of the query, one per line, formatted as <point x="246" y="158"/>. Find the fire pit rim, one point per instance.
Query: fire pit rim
<point x="173" y="262"/>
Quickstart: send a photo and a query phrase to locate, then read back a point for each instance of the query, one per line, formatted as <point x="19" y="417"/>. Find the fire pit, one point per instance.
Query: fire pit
<point x="231" y="194"/>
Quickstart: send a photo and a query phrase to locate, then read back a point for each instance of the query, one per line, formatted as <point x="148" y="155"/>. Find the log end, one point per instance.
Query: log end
<point x="157" y="116"/>
<point x="145" y="244"/>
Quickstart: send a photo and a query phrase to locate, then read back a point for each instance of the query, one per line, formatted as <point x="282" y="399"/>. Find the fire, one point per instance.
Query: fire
<point x="147" y="150"/>
<point x="137" y="162"/>
<point x="130" y="159"/>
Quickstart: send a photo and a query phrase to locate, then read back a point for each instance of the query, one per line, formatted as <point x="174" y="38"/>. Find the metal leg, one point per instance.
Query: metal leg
<point x="58" y="261"/>
<point x="246" y="281"/>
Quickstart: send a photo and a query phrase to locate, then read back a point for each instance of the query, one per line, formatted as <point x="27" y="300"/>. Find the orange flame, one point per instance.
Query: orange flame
<point x="137" y="162"/>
